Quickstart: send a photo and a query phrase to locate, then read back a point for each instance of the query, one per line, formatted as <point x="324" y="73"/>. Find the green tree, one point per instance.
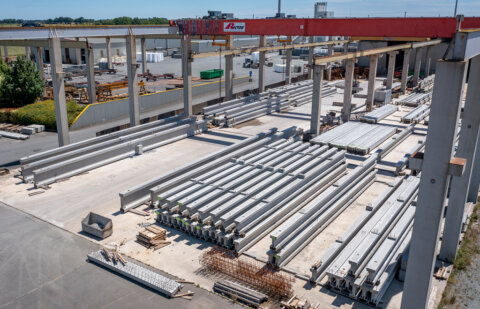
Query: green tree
<point x="21" y="84"/>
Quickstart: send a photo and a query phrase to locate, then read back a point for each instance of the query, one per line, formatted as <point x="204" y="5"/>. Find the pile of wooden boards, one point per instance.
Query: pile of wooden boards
<point x="297" y="303"/>
<point x="153" y="237"/>
<point x="114" y="256"/>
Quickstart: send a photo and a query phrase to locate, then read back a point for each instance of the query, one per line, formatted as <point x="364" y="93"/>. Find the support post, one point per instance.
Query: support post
<point x="261" y="65"/>
<point x="345" y="50"/>
<point x="59" y="91"/>
<point x="78" y="55"/>
<point x="391" y="69"/>
<point x="5" y="53"/>
<point x="428" y="61"/>
<point x="466" y="149"/>
<point x="132" y="67"/>
<point x="329" y="68"/>
<point x="418" y="64"/>
<point x="443" y="127"/>
<point x="475" y="179"/>
<point x="288" y="66"/>
<point x="109" y="53"/>
<point x="316" y="99"/>
<point x="187" y="75"/>
<point x="143" y="45"/>
<point x="347" y="94"/>
<point x="92" y="91"/>
<point x="27" y="52"/>
<point x="311" y="51"/>
<point x="372" y="75"/>
<point x="229" y="70"/>
<point x="39" y="61"/>
<point x="405" y="68"/>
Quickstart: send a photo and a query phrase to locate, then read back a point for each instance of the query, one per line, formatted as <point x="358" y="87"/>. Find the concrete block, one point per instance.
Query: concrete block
<point x="28" y="130"/>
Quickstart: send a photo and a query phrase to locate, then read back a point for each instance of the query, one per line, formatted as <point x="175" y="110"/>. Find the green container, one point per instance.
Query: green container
<point x="209" y="74"/>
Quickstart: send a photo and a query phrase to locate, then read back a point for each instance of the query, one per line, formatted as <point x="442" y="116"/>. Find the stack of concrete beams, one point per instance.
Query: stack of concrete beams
<point x="417" y="114"/>
<point x="318" y="212"/>
<point x="274" y="100"/>
<point x="401" y="164"/>
<point x="416" y="99"/>
<point x="63" y="162"/>
<point x="379" y="113"/>
<point x="426" y="84"/>
<point x="395" y="141"/>
<point x="14" y="135"/>
<point x="356" y="137"/>
<point x="240" y="293"/>
<point x="364" y="260"/>
<point x="236" y="203"/>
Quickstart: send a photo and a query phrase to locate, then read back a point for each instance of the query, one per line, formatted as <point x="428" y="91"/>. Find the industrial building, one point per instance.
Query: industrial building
<point x="346" y="183"/>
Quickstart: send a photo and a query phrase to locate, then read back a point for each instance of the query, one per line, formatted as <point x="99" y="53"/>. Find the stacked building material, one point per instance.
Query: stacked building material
<point x="401" y="164"/>
<point x="356" y="137"/>
<point x="152" y="236"/>
<point x="60" y="163"/>
<point x="240" y="293"/>
<point x="417" y="114"/>
<point x="395" y="141"/>
<point x="379" y="113"/>
<point x="364" y="260"/>
<point x="416" y="99"/>
<point x="426" y="84"/>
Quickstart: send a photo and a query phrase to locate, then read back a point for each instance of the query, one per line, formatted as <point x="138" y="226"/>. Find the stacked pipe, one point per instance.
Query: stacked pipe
<point x="63" y="162"/>
<point x="316" y="214"/>
<point x="379" y="113"/>
<point x="416" y="99"/>
<point x="364" y="260"/>
<point x="417" y="114"/>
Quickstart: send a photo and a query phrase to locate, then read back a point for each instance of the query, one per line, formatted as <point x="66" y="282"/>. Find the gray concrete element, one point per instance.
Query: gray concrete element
<point x="418" y="63"/>
<point x="372" y="75"/>
<point x="428" y="61"/>
<point x="5" y="52"/>
<point x="97" y="225"/>
<point x="229" y="73"/>
<point x="261" y="66"/>
<point x="475" y="179"/>
<point x="91" y="90"/>
<point x="329" y="67"/>
<point x="391" y="69"/>
<point x="467" y="146"/>
<point x="187" y="75"/>
<point x="27" y="52"/>
<point x="288" y="67"/>
<point x="59" y="91"/>
<point x="13" y="135"/>
<point x="447" y="94"/>
<point x="144" y="54"/>
<point x="78" y="55"/>
<point x="405" y="68"/>
<point x="39" y="61"/>
<point x="315" y="121"/>
<point x="109" y="53"/>
<point x="311" y="51"/>
<point x="132" y="67"/>
<point x="347" y="93"/>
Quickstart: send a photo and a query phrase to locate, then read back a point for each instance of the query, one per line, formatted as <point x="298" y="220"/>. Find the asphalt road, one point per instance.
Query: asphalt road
<point x="42" y="266"/>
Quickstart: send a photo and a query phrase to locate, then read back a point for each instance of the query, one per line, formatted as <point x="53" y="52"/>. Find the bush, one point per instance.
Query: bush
<point x="21" y="83"/>
<point x="43" y="113"/>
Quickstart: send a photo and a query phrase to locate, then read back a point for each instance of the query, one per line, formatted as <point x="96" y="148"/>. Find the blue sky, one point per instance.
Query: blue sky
<point x="42" y="9"/>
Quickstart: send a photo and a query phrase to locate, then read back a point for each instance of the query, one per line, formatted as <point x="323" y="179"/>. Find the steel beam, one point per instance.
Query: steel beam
<point x="405" y="69"/>
<point x="391" y="68"/>
<point x="229" y="71"/>
<point x="109" y="53"/>
<point x="418" y="64"/>
<point x="372" y="75"/>
<point x="187" y="75"/>
<point x="315" y="121"/>
<point x="92" y="92"/>
<point x="347" y="93"/>
<point x="132" y="67"/>
<point x="144" y="54"/>
<point x="59" y="91"/>
<point x="261" y="65"/>
<point x="443" y="127"/>
<point x="466" y="149"/>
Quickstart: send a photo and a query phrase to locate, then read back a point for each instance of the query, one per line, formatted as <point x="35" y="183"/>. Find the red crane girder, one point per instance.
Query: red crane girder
<point x="424" y="27"/>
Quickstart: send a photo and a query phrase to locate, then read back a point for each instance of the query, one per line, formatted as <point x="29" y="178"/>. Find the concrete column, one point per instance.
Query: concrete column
<point x="428" y="61"/>
<point x="229" y="71"/>
<point x="347" y="94"/>
<point x="143" y="45"/>
<point x="5" y="52"/>
<point x="311" y="51"/>
<point x="288" y="66"/>
<point x="418" y="64"/>
<point x="39" y="60"/>
<point x="391" y="69"/>
<point x="475" y="178"/>
<point x="261" y="65"/>
<point x="27" y="53"/>
<point x="443" y="127"/>
<point x="345" y="50"/>
<point x="317" y="99"/>
<point x="78" y="55"/>
<point x="466" y="149"/>
<point x="405" y="68"/>
<point x="109" y="53"/>
<point x="92" y="89"/>
<point x="1" y="53"/>
<point x="372" y="75"/>
<point x="187" y="75"/>
<point x="329" y="67"/>
<point x="59" y="91"/>
<point x="132" y="67"/>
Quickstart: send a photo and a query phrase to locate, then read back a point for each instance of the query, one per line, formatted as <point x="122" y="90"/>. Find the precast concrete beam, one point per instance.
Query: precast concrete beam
<point x="372" y="75"/>
<point x="347" y="93"/>
<point x="132" y="67"/>
<point x="391" y="69"/>
<point x="261" y="65"/>
<point x="91" y="90"/>
<point x="443" y="127"/>
<point x="59" y="91"/>
<point x="418" y="64"/>
<point x="187" y="75"/>
<point x="229" y="71"/>
<point x="467" y="146"/>
<point x="405" y="69"/>
<point x="143" y="45"/>
<point x="315" y="121"/>
<point x="311" y="51"/>
<point x="109" y="53"/>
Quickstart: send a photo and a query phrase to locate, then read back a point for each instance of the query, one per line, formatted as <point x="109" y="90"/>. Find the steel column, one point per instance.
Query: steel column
<point x="443" y="127"/>
<point x="475" y="178"/>
<point x="92" y="92"/>
<point x="132" y="67"/>
<point x="418" y="64"/>
<point x="143" y="44"/>
<point x="109" y="53"/>
<point x="316" y="99"/>
<point x="228" y="71"/>
<point x="311" y="51"/>
<point x="187" y="75"/>
<point x="261" y="65"/>
<point x="372" y="75"/>
<point x="59" y="91"/>
<point x="466" y="149"/>
<point x="405" y="69"/>
<point x="391" y="69"/>
<point x="347" y="93"/>
<point x="428" y="61"/>
<point x="288" y="67"/>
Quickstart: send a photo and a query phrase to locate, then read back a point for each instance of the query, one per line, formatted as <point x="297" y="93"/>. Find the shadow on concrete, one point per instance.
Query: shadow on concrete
<point x="290" y="117"/>
<point x="226" y="135"/>
<point x="210" y="140"/>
